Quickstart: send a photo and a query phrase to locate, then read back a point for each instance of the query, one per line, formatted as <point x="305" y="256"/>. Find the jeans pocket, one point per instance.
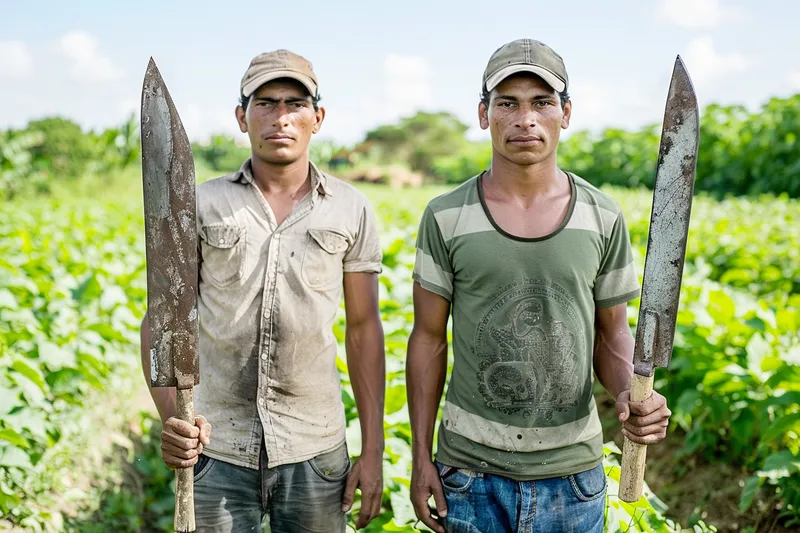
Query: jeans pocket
<point x="202" y="466"/>
<point x="454" y="525"/>
<point x="332" y="466"/>
<point x="590" y="484"/>
<point x="453" y="479"/>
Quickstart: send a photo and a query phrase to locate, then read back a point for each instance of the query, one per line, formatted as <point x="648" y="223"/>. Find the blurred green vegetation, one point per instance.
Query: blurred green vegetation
<point x="72" y="292"/>
<point x="741" y="153"/>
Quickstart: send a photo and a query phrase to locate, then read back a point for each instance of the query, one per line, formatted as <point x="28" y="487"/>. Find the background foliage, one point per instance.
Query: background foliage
<point x="75" y="456"/>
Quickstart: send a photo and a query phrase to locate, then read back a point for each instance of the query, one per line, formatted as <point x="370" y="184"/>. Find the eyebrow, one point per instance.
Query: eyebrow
<point x="535" y="98"/>
<point x="289" y="100"/>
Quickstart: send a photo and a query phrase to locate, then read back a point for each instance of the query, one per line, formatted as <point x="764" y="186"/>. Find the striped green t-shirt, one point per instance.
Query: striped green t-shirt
<point x="519" y="401"/>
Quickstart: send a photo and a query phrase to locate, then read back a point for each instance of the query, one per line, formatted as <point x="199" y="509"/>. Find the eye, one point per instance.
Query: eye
<point x="507" y="104"/>
<point x="541" y="103"/>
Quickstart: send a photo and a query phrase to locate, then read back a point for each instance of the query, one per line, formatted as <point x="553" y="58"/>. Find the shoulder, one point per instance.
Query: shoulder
<point x="589" y="194"/>
<point x="208" y="188"/>
<point x="461" y="196"/>
<point x="345" y="193"/>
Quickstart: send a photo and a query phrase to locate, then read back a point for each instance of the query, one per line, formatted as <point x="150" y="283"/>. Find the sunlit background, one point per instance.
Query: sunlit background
<point x="79" y="436"/>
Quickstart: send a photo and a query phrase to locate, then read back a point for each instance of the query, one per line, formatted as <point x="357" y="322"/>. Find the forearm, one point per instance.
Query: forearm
<point x="367" y="368"/>
<point x="165" y="398"/>
<point x="426" y="370"/>
<point x="613" y="360"/>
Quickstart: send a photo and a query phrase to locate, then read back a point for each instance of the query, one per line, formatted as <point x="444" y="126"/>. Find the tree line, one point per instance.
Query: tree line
<point x="741" y="152"/>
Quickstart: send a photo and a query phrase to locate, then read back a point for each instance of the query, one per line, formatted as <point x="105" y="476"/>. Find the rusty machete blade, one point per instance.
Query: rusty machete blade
<point x="669" y="225"/>
<point x="171" y="236"/>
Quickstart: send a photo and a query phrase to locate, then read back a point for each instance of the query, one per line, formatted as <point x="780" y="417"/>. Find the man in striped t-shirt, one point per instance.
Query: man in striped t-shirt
<point x="535" y="265"/>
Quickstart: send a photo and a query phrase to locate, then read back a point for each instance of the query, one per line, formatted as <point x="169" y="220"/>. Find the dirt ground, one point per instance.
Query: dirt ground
<point x="695" y="489"/>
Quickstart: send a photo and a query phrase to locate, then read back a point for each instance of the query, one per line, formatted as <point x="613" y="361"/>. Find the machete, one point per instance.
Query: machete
<point x="666" y="251"/>
<point x="171" y="250"/>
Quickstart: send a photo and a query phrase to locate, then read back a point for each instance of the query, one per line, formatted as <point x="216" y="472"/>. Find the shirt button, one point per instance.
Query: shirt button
<point x="261" y="402"/>
<point x="221" y="241"/>
<point x="263" y="356"/>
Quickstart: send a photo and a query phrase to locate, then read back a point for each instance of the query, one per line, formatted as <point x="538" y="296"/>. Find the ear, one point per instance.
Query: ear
<point x="567" y="115"/>
<point x="320" y="116"/>
<point x="241" y="118"/>
<point x="483" y="116"/>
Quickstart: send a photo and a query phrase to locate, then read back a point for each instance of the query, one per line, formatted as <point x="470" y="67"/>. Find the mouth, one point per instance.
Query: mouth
<point x="279" y="137"/>
<point x="525" y="140"/>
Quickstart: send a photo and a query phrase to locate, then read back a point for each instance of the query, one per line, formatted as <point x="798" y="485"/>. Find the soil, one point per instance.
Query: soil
<point x="695" y="489"/>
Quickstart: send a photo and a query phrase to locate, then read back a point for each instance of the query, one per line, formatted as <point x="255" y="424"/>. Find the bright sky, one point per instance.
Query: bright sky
<point x="378" y="61"/>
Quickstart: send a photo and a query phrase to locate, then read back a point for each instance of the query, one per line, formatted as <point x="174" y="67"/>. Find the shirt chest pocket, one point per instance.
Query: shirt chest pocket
<point x="322" y="260"/>
<point x="224" y="254"/>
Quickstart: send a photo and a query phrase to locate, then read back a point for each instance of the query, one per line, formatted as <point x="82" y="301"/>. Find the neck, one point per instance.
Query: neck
<point x="540" y="179"/>
<point x="272" y="177"/>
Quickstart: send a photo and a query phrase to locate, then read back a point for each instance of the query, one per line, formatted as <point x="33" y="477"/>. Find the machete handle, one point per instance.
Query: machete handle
<point x="184" y="487"/>
<point x="631" y="477"/>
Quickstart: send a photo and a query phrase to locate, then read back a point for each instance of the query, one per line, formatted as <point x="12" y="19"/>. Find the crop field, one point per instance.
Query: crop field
<point x="72" y="293"/>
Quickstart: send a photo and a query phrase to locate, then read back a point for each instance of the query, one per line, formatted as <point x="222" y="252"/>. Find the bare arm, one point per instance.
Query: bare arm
<point x="163" y="397"/>
<point x="365" y="356"/>
<point x="426" y="367"/>
<point x="366" y="364"/>
<point x="181" y="443"/>
<point x="643" y="422"/>
<point x="613" y="351"/>
<point x="426" y="370"/>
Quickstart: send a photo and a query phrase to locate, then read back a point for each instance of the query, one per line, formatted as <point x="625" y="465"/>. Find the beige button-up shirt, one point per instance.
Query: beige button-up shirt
<point x="268" y="298"/>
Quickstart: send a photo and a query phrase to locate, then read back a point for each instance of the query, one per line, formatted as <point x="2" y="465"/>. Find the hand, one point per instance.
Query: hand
<point x="367" y="474"/>
<point x="424" y="483"/>
<point x="643" y="422"/>
<point x="182" y="443"/>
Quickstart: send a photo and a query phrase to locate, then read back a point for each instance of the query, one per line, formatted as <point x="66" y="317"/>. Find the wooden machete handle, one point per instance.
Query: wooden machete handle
<point x="184" y="487"/>
<point x="633" y="454"/>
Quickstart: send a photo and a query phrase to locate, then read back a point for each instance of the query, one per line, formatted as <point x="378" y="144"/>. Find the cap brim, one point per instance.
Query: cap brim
<point x="251" y="86"/>
<point x="554" y="81"/>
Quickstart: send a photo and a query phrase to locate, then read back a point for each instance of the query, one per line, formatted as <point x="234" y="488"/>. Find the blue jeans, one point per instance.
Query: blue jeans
<point x="303" y="497"/>
<point x="488" y="503"/>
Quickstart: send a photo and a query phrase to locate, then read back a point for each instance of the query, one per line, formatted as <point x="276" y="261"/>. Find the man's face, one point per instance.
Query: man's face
<point x="525" y="118"/>
<point x="280" y="120"/>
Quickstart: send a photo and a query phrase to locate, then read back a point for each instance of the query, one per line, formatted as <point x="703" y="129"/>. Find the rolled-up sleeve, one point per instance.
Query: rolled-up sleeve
<point x="365" y="254"/>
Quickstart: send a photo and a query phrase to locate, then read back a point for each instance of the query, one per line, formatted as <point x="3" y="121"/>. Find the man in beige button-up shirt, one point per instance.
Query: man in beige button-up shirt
<point x="280" y="244"/>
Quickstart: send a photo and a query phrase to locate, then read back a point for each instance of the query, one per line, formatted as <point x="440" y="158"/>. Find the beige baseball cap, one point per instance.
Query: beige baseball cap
<point x="278" y="64"/>
<point x="526" y="55"/>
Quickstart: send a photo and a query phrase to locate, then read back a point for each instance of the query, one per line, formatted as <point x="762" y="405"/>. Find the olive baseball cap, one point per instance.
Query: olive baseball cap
<point x="278" y="64"/>
<point x="526" y="55"/>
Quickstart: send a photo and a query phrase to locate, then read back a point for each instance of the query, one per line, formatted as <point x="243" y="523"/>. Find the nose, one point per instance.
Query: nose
<point x="281" y="114"/>
<point x="526" y="117"/>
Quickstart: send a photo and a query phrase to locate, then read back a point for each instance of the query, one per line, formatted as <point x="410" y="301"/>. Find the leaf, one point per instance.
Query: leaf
<point x="757" y="350"/>
<point x="9" y="399"/>
<point x="777" y="429"/>
<point x="749" y="492"/>
<point x="30" y="419"/>
<point x="107" y="332"/>
<point x="30" y="390"/>
<point x="30" y="372"/>
<point x="721" y="307"/>
<point x="395" y="398"/>
<point x="56" y="357"/>
<point x="611" y="447"/>
<point x="779" y="465"/>
<point x="688" y="401"/>
<point x="756" y="323"/>
<point x="89" y="290"/>
<point x="7" y="299"/>
<point x="14" y="438"/>
<point x="13" y="456"/>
